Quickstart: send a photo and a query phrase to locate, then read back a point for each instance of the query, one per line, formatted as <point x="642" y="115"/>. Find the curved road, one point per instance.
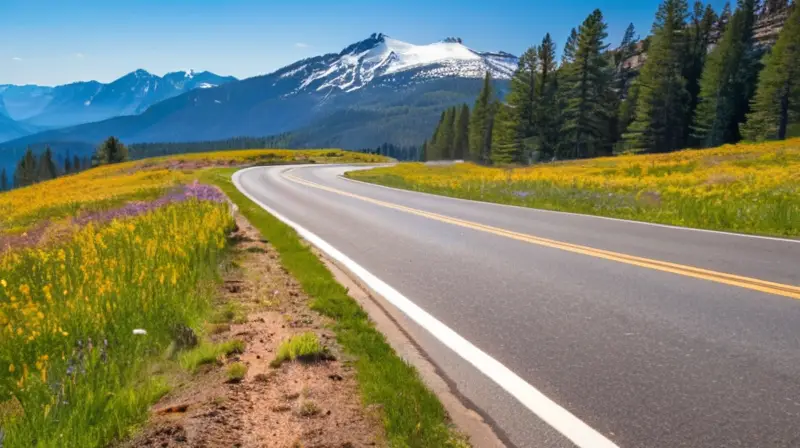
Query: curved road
<point x="649" y="335"/>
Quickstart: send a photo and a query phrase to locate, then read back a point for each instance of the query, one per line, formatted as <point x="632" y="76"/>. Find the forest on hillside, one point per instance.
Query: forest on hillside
<point x="700" y="79"/>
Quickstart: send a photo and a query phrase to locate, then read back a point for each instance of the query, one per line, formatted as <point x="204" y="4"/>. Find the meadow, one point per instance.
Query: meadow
<point x="98" y="272"/>
<point x="748" y="188"/>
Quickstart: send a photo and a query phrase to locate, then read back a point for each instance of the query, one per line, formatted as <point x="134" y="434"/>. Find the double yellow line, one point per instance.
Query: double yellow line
<point x="689" y="271"/>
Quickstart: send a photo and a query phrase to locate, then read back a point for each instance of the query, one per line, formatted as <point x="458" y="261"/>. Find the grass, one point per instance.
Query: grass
<point x="412" y="415"/>
<point x="303" y="347"/>
<point x="236" y="372"/>
<point x="209" y="353"/>
<point x="747" y="188"/>
<point x="73" y="371"/>
<point x="68" y="352"/>
<point x="111" y="185"/>
<point x="230" y="312"/>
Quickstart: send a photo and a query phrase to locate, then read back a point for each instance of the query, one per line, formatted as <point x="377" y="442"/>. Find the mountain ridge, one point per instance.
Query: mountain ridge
<point x="87" y="101"/>
<point x="379" y="80"/>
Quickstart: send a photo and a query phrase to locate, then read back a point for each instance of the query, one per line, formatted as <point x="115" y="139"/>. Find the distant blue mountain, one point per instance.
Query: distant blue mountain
<point x="84" y="102"/>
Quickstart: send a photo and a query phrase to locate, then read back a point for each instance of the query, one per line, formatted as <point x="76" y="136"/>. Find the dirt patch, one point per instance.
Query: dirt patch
<point x="296" y="405"/>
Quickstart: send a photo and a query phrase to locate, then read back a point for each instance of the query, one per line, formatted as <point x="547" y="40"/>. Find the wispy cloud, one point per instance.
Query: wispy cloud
<point x="79" y="55"/>
<point x="16" y="59"/>
<point x="301" y="45"/>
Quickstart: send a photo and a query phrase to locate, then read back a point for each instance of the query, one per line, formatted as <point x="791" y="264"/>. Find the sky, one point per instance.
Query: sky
<point x="61" y="41"/>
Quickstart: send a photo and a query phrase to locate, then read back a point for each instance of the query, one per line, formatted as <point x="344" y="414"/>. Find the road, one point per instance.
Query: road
<point x="648" y="336"/>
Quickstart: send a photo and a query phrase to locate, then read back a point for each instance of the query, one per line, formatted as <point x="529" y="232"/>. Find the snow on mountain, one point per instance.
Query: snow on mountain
<point x="382" y="59"/>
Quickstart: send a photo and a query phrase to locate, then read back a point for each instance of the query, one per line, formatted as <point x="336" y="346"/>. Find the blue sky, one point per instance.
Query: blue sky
<point x="59" y="41"/>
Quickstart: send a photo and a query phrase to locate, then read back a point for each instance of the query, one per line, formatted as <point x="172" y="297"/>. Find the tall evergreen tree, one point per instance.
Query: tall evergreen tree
<point x="448" y="134"/>
<point x="777" y="100"/>
<point x="26" y="173"/>
<point x="46" y="167"/>
<point x="699" y="34"/>
<point x="461" y="139"/>
<point x="727" y="83"/>
<point x="76" y="164"/>
<point x="624" y="76"/>
<point x="67" y="165"/>
<point x="662" y="98"/>
<point x="522" y="97"/>
<point x="546" y="113"/>
<point x="586" y="83"/>
<point x="568" y="56"/>
<point x="481" y="122"/>
<point x="506" y="145"/>
<point x="423" y="153"/>
<point x="3" y="180"/>
<point x="435" y="151"/>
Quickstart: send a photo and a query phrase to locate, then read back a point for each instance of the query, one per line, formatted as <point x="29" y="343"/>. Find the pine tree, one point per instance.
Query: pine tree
<point x="111" y="151"/>
<point x="3" y="180"/>
<point x="569" y="48"/>
<point x="26" y="172"/>
<point x="461" y="139"/>
<point x="699" y="35"/>
<point x="586" y="83"/>
<point x="627" y="110"/>
<point x="777" y="100"/>
<point x="722" y="20"/>
<point x="423" y="153"/>
<point x="76" y="164"/>
<point x="623" y="78"/>
<point x="435" y="151"/>
<point x="546" y="112"/>
<point x="46" y="167"/>
<point x="506" y="145"/>
<point x="86" y="163"/>
<point x="481" y="122"/>
<point x="448" y="135"/>
<point x="67" y="165"/>
<point x="727" y="82"/>
<point x="661" y="107"/>
<point x="522" y="97"/>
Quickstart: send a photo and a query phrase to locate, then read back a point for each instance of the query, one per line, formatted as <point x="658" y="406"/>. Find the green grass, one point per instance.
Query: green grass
<point x="236" y="372"/>
<point x="412" y="415"/>
<point x="209" y="353"/>
<point x="304" y="347"/>
<point x="230" y="312"/>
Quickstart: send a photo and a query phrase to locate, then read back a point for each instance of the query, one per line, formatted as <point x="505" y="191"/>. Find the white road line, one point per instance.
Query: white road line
<point x="546" y="409"/>
<point x="608" y="218"/>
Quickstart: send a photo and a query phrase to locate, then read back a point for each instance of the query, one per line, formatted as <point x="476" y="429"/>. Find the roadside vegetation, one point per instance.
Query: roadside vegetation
<point x="81" y="316"/>
<point x="109" y="281"/>
<point x="412" y="415"/>
<point x="749" y="188"/>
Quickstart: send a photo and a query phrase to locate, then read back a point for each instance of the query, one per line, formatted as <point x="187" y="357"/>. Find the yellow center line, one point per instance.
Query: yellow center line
<point x="689" y="271"/>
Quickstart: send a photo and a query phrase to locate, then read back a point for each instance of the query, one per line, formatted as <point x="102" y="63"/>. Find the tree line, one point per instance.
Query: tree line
<point x="705" y="81"/>
<point x="398" y="152"/>
<point x="32" y="169"/>
<point x="146" y="150"/>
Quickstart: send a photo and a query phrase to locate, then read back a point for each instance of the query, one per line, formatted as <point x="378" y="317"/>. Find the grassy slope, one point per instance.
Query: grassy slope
<point x="412" y="415"/>
<point x="740" y="188"/>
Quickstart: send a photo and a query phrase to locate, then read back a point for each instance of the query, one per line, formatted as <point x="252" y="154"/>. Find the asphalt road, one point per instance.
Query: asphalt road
<point x="646" y="354"/>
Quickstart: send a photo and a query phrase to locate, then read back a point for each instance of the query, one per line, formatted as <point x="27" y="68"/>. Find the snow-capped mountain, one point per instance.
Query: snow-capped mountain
<point x="383" y="60"/>
<point x="84" y="102"/>
<point x="377" y="90"/>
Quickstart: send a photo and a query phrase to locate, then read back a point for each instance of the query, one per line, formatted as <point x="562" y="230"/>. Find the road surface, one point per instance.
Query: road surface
<point x="575" y="330"/>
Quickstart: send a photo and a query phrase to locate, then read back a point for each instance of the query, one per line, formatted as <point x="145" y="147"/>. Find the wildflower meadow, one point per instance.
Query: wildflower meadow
<point x="749" y="188"/>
